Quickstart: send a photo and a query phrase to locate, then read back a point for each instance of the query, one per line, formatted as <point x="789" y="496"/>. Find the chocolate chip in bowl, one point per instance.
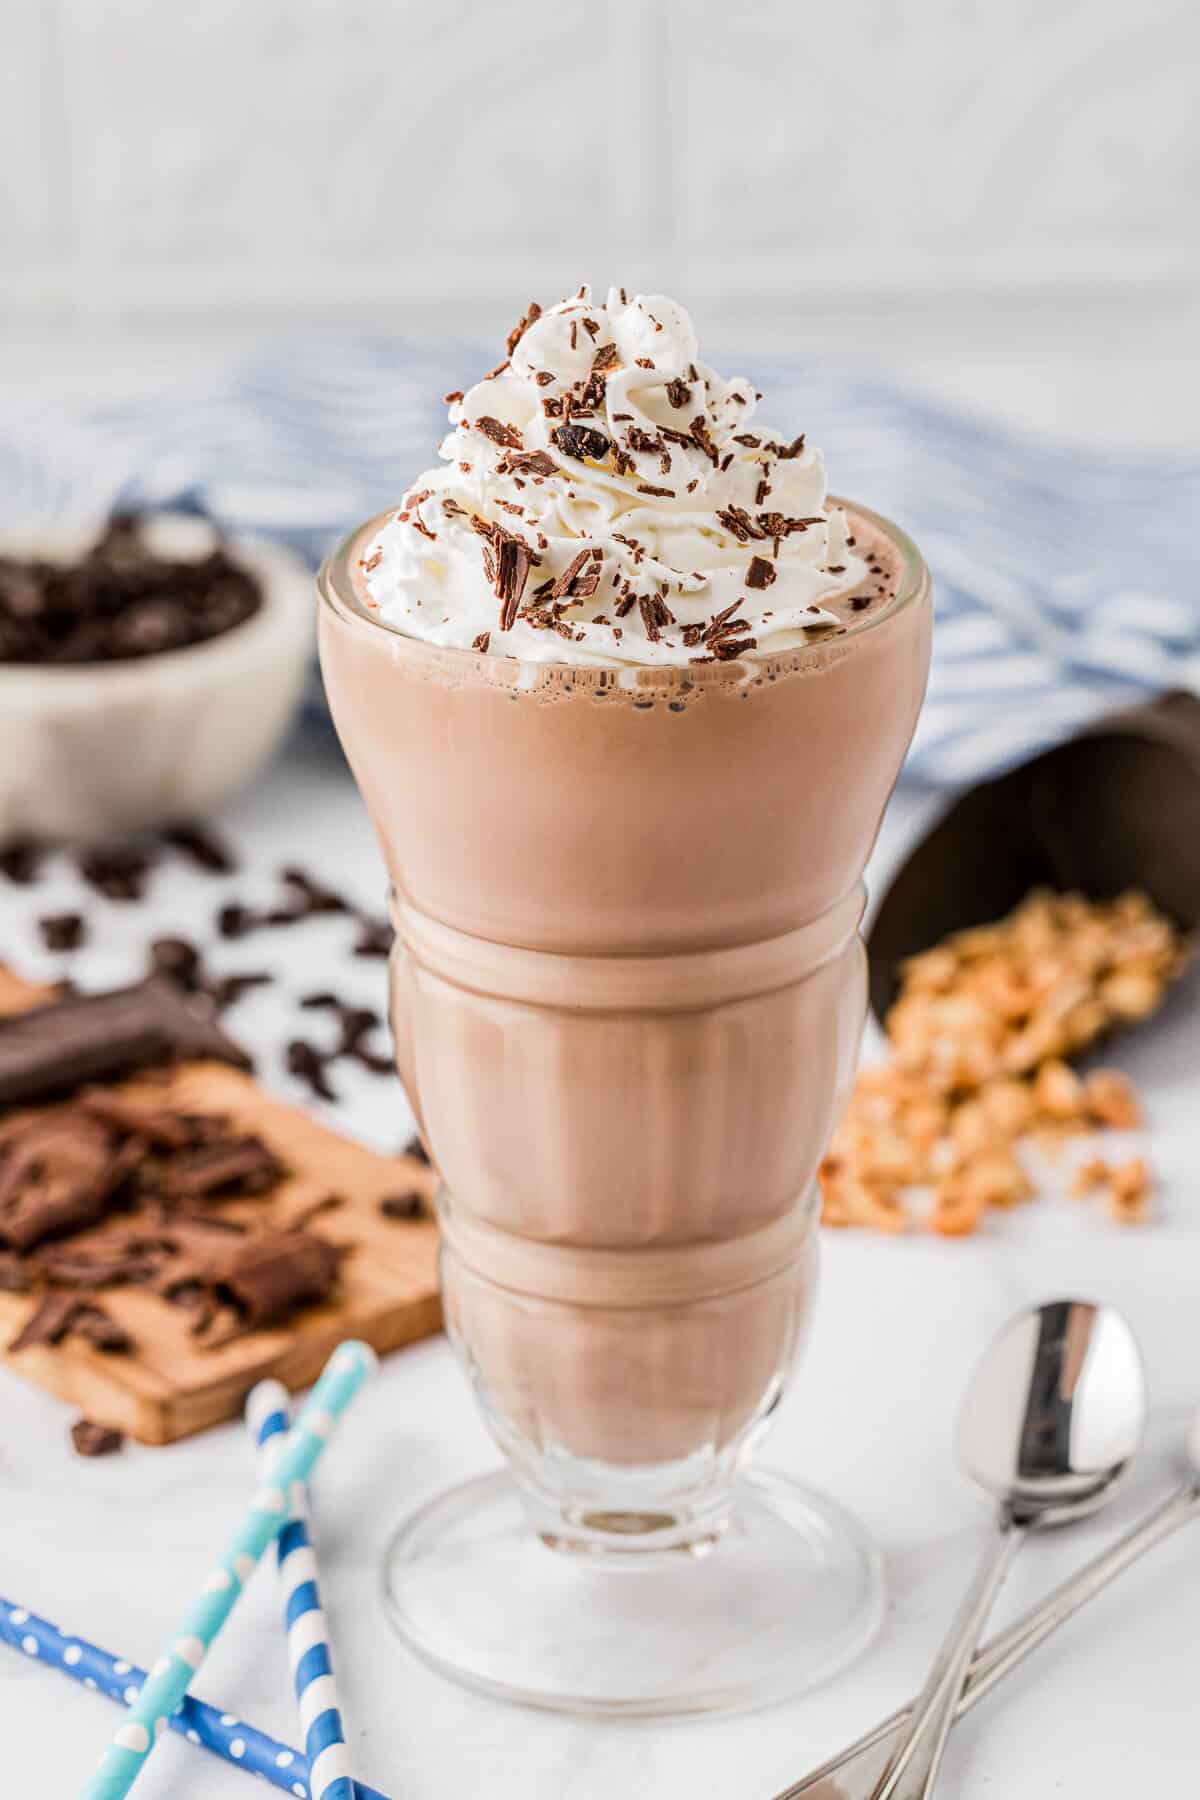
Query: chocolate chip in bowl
<point x="147" y="669"/>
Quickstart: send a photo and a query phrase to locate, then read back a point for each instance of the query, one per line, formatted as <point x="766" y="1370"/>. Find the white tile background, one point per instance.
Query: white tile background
<point x="429" y="163"/>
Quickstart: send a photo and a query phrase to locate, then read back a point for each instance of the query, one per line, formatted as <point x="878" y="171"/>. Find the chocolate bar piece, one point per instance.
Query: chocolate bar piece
<point x="96" y="1037"/>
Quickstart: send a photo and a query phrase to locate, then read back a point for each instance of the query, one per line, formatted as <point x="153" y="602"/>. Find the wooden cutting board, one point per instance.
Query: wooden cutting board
<point x="170" y="1386"/>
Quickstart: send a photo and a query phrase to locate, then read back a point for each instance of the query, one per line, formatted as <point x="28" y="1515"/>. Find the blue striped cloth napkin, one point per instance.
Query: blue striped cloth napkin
<point x="1066" y="580"/>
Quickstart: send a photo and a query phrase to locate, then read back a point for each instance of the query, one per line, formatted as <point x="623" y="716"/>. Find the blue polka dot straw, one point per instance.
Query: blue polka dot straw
<point x="224" y="1734"/>
<point x="170" y="1677"/>
<point x="268" y="1413"/>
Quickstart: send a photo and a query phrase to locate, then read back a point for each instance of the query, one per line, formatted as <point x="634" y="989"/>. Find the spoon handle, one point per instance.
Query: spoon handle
<point x="914" y="1763"/>
<point x="864" y="1762"/>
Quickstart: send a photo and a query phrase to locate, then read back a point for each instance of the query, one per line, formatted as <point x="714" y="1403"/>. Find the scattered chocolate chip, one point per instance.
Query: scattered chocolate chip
<point x="307" y="1063"/>
<point x="313" y="894"/>
<point x="117" y="871"/>
<point x="404" y="1206"/>
<point x="226" y="990"/>
<point x="62" y="931"/>
<point x="202" y="846"/>
<point x="236" y="920"/>
<point x="375" y="938"/>
<point x="21" y="860"/>
<point x="90" y="1439"/>
<point x="177" y="959"/>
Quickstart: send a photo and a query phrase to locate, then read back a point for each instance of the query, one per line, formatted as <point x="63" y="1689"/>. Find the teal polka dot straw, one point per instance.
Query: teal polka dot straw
<point x="146" y="1720"/>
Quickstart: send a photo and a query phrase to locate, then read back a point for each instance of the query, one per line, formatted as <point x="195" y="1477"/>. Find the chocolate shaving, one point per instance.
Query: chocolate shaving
<point x="788" y="451"/>
<point x="678" y="393"/>
<point x="644" y="362"/>
<point x="760" y="573"/>
<point x="738" y="522"/>
<point x="573" y="583"/>
<point x="533" y="312"/>
<point x="607" y="357"/>
<point x="527" y="462"/>
<point x="663" y="493"/>
<point x="581" y="441"/>
<point x="513" y="563"/>
<point x="56" y="1175"/>
<point x="505" y="435"/>
<point x="455" y="397"/>
<point x="725" y="649"/>
<point x="656" y="615"/>
<point x="243" y="1165"/>
<point x="481" y="642"/>
<point x="416" y="1149"/>
<point x="61" y="1315"/>
<point x="267" y="1276"/>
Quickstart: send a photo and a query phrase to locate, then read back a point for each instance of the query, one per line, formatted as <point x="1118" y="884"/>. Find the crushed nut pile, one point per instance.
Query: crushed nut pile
<point x="979" y="1038"/>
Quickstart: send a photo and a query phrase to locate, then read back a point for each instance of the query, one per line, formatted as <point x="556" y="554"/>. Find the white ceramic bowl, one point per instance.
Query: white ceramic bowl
<point x="93" y="750"/>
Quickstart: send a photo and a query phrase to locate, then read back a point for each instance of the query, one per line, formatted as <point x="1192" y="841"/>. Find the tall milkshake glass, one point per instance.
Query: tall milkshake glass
<point x="627" y="991"/>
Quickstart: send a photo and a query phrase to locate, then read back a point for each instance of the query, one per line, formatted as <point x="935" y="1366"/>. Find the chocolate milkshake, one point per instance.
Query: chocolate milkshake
<point x="625" y="695"/>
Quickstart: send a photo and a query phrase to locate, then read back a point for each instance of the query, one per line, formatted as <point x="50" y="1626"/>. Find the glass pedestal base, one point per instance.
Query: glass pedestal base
<point x="786" y="1596"/>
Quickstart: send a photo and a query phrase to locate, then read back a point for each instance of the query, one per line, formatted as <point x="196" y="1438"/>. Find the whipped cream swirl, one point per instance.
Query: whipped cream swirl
<point x="605" y="499"/>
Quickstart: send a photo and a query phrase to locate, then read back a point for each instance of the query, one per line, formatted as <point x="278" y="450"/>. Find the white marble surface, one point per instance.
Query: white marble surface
<point x="112" y="1549"/>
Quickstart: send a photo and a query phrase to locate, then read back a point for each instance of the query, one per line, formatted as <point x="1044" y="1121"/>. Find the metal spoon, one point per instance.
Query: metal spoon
<point x="1051" y="1421"/>
<point x="854" y="1769"/>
